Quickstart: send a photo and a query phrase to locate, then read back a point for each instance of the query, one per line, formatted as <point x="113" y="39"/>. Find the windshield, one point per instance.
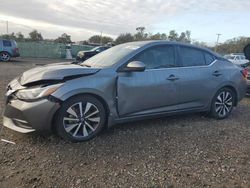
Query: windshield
<point x="111" y="56"/>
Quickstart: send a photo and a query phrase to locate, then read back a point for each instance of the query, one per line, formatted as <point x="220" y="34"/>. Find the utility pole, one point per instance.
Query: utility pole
<point x="7" y="27"/>
<point x="217" y="42"/>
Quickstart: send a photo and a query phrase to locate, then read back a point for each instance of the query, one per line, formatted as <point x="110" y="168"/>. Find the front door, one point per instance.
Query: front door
<point x="153" y="90"/>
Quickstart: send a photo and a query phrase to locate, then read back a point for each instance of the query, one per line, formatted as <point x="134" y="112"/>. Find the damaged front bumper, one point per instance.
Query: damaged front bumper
<point x="10" y="123"/>
<point x="26" y="117"/>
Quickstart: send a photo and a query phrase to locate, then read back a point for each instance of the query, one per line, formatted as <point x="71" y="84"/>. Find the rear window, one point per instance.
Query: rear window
<point x="6" y="43"/>
<point x="242" y="57"/>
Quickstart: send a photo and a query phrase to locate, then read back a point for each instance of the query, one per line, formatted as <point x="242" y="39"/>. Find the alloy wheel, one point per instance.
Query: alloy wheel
<point x="224" y="103"/>
<point x="5" y="56"/>
<point x="81" y="120"/>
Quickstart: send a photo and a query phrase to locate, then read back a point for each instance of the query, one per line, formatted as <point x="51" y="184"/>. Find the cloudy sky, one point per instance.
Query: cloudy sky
<point x="84" y="18"/>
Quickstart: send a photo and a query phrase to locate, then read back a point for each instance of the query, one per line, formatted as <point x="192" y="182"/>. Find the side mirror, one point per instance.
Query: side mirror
<point x="135" y="66"/>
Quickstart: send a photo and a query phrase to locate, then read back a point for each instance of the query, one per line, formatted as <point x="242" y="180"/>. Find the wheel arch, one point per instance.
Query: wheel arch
<point x="235" y="93"/>
<point x="93" y="92"/>
<point x="98" y="97"/>
<point x="231" y="87"/>
<point x="5" y="52"/>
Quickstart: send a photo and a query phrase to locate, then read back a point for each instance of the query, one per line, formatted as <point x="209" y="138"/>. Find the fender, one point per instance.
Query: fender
<point x="104" y="88"/>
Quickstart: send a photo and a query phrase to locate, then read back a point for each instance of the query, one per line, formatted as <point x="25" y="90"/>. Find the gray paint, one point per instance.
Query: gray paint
<point x="38" y="115"/>
<point x="54" y="72"/>
<point x="131" y="96"/>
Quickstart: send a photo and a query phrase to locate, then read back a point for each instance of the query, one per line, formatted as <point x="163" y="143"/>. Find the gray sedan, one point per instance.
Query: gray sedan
<point x="128" y="82"/>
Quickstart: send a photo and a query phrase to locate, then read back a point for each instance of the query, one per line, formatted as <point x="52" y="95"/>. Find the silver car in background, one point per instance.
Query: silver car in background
<point x="238" y="59"/>
<point x="125" y="83"/>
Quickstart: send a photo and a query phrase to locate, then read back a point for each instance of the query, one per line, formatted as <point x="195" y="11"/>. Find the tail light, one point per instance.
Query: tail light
<point x="244" y="72"/>
<point x="15" y="50"/>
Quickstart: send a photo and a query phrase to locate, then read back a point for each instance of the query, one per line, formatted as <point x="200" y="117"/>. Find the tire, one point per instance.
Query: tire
<point x="4" y="56"/>
<point x="222" y="103"/>
<point x="80" y="118"/>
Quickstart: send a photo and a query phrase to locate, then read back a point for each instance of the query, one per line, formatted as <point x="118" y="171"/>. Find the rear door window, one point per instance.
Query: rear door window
<point x="209" y="58"/>
<point x="192" y="57"/>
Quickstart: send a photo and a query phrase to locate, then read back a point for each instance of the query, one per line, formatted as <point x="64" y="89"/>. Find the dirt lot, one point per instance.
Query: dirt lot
<point x="179" y="151"/>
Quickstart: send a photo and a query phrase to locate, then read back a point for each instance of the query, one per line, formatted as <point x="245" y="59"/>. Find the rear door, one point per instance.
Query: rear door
<point x="198" y="77"/>
<point x="153" y="90"/>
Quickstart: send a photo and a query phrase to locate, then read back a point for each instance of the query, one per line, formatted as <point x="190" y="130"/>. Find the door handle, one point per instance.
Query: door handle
<point x="172" y="78"/>
<point x="217" y="73"/>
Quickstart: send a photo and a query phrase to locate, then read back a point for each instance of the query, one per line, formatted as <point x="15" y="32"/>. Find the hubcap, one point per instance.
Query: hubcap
<point x="81" y="119"/>
<point x="5" y="57"/>
<point x="223" y="103"/>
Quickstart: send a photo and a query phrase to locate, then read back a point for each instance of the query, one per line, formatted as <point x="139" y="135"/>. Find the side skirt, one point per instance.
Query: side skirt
<point x="127" y="119"/>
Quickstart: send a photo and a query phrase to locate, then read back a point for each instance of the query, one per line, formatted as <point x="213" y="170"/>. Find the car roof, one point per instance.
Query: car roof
<point x="159" y="42"/>
<point x="11" y="40"/>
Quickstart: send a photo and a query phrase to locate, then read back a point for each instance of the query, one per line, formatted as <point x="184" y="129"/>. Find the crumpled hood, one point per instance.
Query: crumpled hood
<point x="54" y="72"/>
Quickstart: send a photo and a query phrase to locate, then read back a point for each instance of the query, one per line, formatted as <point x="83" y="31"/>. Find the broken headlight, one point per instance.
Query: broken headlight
<point x="36" y="93"/>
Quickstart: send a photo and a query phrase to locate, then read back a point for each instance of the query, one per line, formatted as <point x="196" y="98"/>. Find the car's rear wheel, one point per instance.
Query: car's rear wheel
<point x="80" y="118"/>
<point x="222" y="104"/>
<point x="4" y="56"/>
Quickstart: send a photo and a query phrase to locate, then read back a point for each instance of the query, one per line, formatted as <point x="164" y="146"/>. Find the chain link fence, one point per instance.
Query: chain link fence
<point x="48" y="49"/>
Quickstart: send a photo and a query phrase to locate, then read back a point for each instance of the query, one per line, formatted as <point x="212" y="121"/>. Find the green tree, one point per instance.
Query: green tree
<point x="182" y="37"/>
<point x="35" y="36"/>
<point x="64" y="39"/>
<point x="8" y="36"/>
<point x="200" y="43"/>
<point x="95" y="39"/>
<point x="185" y="37"/>
<point x="123" y="38"/>
<point x="100" y="40"/>
<point x="235" y="45"/>
<point x="164" y="36"/>
<point x="106" y="40"/>
<point x="173" y="35"/>
<point x="157" y="36"/>
<point x="140" y="35"/>
<point x="20" y="36"/>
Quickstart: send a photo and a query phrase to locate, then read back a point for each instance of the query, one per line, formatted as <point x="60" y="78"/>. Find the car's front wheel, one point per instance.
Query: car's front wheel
<point x="80" y="118"/>
<point x="222" y="104"/>
<point x="4" y="56"/>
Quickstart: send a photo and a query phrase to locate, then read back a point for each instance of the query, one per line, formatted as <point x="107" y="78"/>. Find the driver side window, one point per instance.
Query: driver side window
<point x="157" y="57"/>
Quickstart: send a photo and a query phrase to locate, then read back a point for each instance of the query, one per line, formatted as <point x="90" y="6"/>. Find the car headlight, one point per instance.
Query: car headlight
<point x="80" y="54"/>
<point x="36" y="93"/>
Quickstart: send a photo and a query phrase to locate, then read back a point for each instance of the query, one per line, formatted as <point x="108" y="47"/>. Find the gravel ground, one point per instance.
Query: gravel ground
<point x="179" y="151"/>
